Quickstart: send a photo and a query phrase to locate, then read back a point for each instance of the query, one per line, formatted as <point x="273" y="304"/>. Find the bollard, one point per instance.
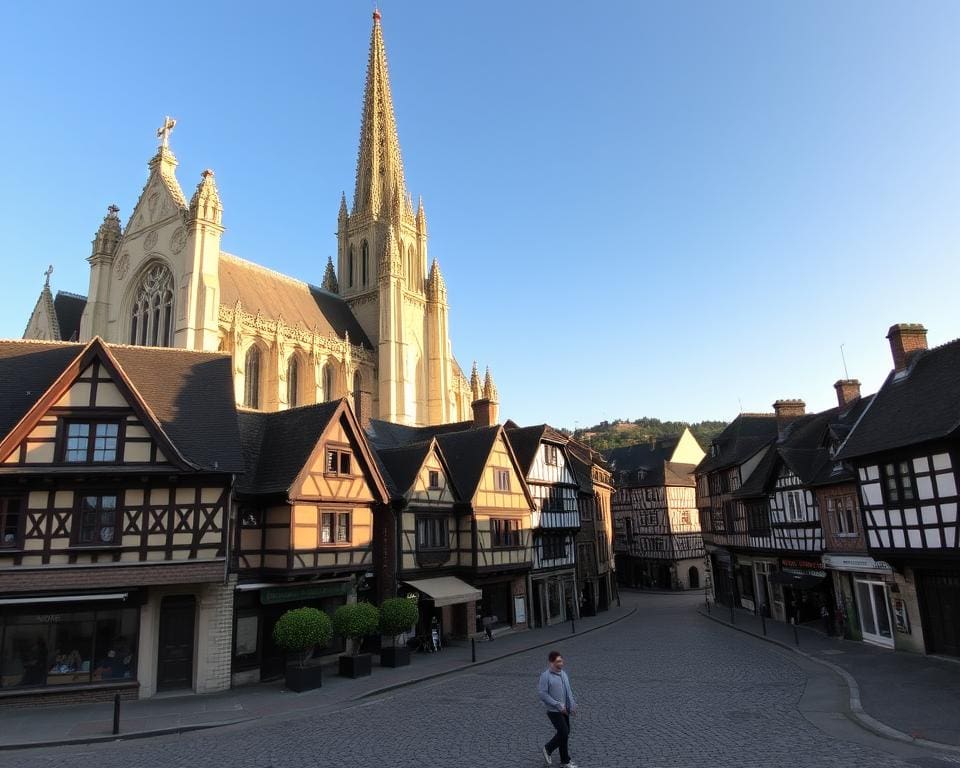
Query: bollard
<point x="707" y="601"/>
<point x="796" y="636"/>
<point x="763" y="623"/>
<point x="573" y="626"/>
<point x="116" y="714"/>
<point x="473" y="650"/>
<point x="732" y="621"/>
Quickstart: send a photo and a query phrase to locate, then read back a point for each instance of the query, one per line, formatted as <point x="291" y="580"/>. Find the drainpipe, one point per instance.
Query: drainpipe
<point x="228" y="530"/>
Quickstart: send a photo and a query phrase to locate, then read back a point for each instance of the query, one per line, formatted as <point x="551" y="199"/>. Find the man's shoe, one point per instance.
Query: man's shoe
<point x="571" y="764"/>
<point x="546" y="756"/>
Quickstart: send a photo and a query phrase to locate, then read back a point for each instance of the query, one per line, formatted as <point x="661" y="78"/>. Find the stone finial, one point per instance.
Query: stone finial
<point x="164" y="131"/>
<point x="107" y="239"/>
<point x="46" y="282"/>
<point x="436" y="285"/>
<point x="330" y="278"/>
<point x="489" y="388"/>
<point x="343" y="215"/>
<point x="475" y="388"/>
<point x="205" y="204"/>
<point x="421" y="218"/>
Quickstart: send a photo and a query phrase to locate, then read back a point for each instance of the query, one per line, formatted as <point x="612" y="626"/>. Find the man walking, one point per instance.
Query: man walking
<point x="557" y="695"/>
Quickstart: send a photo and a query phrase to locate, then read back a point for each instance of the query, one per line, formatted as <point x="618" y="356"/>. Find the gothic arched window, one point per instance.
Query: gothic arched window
<point x="350" y="267"/>
<point x="293" y="381"/>
<point x="364" y="262"/>
<point x="326" y="381"/>
<point x="357" y="399"/>
<point x="413" y="278"/>
<point x="151" y="318"/>
<point x="251" y="378"/>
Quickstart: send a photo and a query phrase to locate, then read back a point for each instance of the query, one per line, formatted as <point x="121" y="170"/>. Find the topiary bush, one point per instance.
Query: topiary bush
<point x="398" y="614"/>
<point x="300" y="630"/>
<point x="356" y="621"/>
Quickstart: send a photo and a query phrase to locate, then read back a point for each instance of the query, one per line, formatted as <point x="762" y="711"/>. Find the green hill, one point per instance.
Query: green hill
<point x="614" y="434"/>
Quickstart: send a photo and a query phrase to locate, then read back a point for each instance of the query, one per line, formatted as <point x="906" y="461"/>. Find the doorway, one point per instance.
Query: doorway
<point x="874" y="608"/>
<point x="175" y="649"/>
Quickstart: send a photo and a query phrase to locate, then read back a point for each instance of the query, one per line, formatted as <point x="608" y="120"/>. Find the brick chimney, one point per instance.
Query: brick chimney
<point x="905" y="339"/>
<point x="848" y="391"/>
<point x="486" y="412"/>
<point x="787" y="412"/>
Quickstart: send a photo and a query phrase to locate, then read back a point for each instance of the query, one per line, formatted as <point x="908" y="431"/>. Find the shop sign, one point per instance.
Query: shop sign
<point x="900" y="618"/>
<point x="274" y="595"/>
<point x="802" y="565"/>
<point x="855" y="563"/>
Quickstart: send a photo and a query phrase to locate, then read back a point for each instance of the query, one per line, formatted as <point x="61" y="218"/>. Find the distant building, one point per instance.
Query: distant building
<point x="657" y="541"/>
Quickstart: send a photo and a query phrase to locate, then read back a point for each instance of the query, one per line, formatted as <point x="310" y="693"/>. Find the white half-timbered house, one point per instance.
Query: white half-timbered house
<point x="308" y="505"/>
<point x="116" y="470"/>
<point x="657" y="539"/>
<point x="905" y="450"/>
<point x="541" y="451"/>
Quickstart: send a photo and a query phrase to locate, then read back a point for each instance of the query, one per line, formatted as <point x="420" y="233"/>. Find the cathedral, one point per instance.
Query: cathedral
<point x="375" y="331"/>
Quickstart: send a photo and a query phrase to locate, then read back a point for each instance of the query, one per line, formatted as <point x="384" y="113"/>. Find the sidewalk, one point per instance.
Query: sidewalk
<point x="22" y="728"/>
<point x="900" y="695"/>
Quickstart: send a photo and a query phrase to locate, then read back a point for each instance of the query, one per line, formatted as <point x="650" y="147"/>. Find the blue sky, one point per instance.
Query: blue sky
<point x="674" y="209"/>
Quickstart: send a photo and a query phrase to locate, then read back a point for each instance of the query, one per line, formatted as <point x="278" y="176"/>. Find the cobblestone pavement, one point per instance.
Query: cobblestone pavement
<point x="662" y="688"/>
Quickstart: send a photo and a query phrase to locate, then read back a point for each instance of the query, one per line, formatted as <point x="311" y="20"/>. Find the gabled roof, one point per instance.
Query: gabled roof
<point x="69" y="309"/>
<point x="188" y="396"/>
<point x="261" y="290"/>
<point x="466" y="454"/>
<point x="401" y="465"/>
<point x="642" y="464"/>
<point x="916" y="406"/>
<point x="386" y="434"/>
<point x="678" y="474"/>
<point x="277" y="445"/>
<point x="525" y="442"/>
<point x="742" y="438"/>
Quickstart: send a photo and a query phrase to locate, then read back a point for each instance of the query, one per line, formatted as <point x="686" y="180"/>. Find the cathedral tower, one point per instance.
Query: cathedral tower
<point x="382" y="257"/>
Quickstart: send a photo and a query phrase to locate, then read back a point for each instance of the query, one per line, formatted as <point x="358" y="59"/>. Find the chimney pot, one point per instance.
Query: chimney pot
<point x="848" y="391"/>
<point x="485" y="412"/>
<point x="905" y="340"/>
<point x="788" y="411"/>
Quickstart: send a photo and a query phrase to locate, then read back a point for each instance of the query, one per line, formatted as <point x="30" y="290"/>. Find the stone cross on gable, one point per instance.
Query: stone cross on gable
<point x="163" y="133"/>
<point x="48" y="273"/>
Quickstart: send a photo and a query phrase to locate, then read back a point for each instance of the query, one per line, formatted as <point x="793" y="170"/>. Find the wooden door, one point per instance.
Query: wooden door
<point x="939" y="602"/>
<point x="175" y="652"/>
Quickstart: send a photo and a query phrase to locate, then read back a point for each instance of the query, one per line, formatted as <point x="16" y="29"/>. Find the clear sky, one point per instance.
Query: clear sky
<point x="675" y="209"/>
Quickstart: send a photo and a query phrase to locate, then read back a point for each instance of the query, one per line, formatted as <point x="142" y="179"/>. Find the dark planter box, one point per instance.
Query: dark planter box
<point x="356" y="666"/>
<point x="303" y="678"/>
<point x="395" y="657"/>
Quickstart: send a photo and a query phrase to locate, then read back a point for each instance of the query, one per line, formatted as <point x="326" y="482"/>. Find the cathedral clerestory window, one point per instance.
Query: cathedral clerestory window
<point x="293" y="382"/>
<point x="151" y="321"/>
<point x="326" y="382"/>
<point x="251" y="378"/>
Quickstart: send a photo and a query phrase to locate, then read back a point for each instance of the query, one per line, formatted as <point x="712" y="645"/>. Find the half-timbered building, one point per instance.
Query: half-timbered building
<point x="116" y="467"/>
<point x="657" y="540"/>
<point x="493" y="508"/>
<point x="541" y="451"/>
<point x="905" y="450"/>
<point x="307" y="506"/>
<point x="732" y="458"/>
<point x="595" y="564"/>
<point x="435" y="543"/>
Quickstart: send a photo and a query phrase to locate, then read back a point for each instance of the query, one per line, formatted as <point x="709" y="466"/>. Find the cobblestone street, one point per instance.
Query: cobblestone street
<point x="665" y="687"/>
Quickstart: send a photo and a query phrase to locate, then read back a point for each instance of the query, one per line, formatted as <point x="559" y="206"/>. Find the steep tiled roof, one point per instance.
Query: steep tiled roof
<point x="400" y="465"/>
<point x="466" y="454"/>
<point x="69" y="309"/>
<point x="262" y="290"/>
<point x="525" y="442"/>
<point x="916" y="406"/>
<point x="276" y="446"/>
<point x="742" y="438"/>
<point x="386" y="434"/>
<point x="641" y="464"/>
<point x="190" y="393"/>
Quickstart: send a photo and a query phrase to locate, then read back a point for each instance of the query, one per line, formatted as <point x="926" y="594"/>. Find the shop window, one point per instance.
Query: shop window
<point x="96" y="521"/>
<point x="505" y="533"/>
<point x="432" y="533"/>
<point x="334" y="527"/>
<point x="64" y="646"/>
<point x="11" y="520"/>
<point x="338" y="462"/>
<point x="91" y="442"/>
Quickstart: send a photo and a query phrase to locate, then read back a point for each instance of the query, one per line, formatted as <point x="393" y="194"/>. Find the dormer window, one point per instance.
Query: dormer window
<point x="90" y="442"/>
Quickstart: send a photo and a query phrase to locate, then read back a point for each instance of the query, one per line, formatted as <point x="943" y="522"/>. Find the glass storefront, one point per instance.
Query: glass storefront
<point x="874" y="608"/>
<point x="64" y="644"/>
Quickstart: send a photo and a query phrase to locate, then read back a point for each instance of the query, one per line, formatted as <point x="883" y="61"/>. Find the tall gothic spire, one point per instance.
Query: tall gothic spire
<point x="380" y="178"/>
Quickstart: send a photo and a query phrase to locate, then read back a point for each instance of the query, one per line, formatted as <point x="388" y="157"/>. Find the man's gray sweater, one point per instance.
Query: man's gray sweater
<point x="555" y="691"/>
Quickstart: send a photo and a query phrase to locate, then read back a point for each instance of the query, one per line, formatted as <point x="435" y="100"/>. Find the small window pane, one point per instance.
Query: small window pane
<point x="344" y="463"/>
<point x="326" y="528"/>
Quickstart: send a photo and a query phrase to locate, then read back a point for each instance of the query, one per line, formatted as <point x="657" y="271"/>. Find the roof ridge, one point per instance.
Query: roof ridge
<point x="274" y="273"/>
<point x="71" y="294"/>
<point x="179" y="350"/>
<point x="48" y="342"/>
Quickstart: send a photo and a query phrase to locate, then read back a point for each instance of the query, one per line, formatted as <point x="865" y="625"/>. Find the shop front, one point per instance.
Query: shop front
<point x="503" y="602"/>
<point x="805" y="589"/>
<point x="258" y="606"/>
<point x="862" y="586"/>
<point x="721" y="575"/>
<point x="446" y="605"/>
<point x="69" y="642"/>
<point x="554" y="598"/>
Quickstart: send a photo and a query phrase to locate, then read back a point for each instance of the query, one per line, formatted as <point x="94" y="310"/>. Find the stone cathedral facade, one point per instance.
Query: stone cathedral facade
<point x="375" y="330"/>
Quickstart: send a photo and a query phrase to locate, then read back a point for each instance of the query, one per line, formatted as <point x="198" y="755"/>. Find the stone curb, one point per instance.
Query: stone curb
<point x="328" y="706"/>
<point x="863" y="719"/>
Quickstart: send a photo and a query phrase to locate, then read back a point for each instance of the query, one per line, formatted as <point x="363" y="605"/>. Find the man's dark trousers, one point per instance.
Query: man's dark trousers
<point x="561" y="738"/>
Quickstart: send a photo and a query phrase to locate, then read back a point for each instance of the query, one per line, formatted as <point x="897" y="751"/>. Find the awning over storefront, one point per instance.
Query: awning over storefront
<point x="446" y="590"/>
<point x="797" y="580"/>
<point x="860" y="563"/>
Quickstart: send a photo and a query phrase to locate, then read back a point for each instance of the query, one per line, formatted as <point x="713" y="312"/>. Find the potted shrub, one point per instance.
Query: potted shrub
<point x="397" y="614"/>
<point x="355" y="621"/>
<point x="298" y="632"/>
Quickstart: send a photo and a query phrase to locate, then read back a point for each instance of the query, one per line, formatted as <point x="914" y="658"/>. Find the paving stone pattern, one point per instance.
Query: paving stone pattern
<point x="662" y="688"/>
